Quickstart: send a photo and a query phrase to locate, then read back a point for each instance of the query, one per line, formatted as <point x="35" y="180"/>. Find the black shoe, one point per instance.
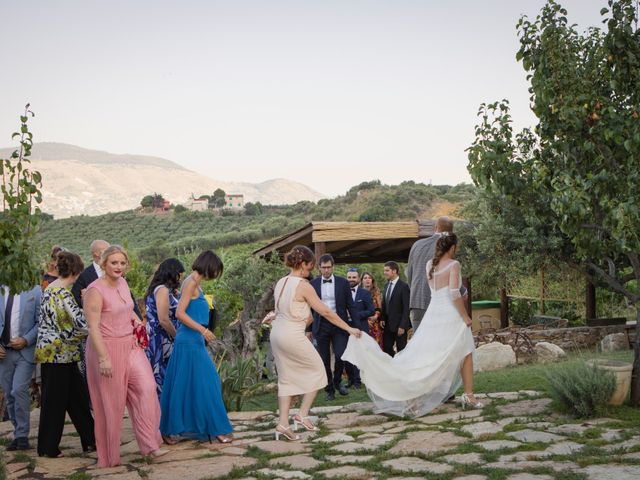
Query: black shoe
<point x="89" y="449"/>
<point x="330" y="396"/>
<point x="451" y="399"/>
<point x="357" y="386"/>
<point x="21" y="443"/>
<point x="350" y="384"/>
<point x="342" y="390"/>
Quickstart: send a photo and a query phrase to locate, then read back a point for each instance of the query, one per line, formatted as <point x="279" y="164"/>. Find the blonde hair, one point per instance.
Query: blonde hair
<point x="111" y="250"/>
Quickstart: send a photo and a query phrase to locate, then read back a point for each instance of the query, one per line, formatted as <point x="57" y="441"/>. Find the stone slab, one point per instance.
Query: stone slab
<point x="525" y="407"/>
<point x="209" y="467"/>
<point x="415" y="464"/>
<point x="464" y="458"/>
<point x="281" y="447"/>
<point x="453" y="416"/>
<point x="529" y="476"/>
<point x="296" y="462"/>
<point x="334" y="437"/>
<point x="529" y="436"/>
<point x="612" y="472"/>
<point x="347" y="471"/>
<point x="341" y="459"/>
<point x="286" y="474"/>
<point x="492" y="445"/>
<point x="353" y="447"/>
<point x="427" y="442"/>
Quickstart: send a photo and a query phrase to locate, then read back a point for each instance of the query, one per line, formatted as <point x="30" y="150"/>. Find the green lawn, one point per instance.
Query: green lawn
<point x="522" y="377"/>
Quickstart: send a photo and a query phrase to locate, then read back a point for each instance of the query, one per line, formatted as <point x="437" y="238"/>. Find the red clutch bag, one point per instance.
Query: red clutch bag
<point x="140" y="332"/>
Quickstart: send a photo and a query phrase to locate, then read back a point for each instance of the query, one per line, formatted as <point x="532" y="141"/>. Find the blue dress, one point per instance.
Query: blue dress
<point x="160" y="343"/>
<point x="191" y="399"/>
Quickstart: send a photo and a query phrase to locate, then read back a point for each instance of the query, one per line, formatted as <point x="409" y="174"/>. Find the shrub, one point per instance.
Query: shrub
<point x="581" y="389"/>
<point x="240" y="378"/>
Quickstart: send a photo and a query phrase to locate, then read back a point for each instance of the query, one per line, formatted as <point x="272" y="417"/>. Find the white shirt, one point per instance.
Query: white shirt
<point x="354" y="291"/>
<point x="328" y="292"/>
<point x="15" y="314"/>
<point x="98" y="269"/>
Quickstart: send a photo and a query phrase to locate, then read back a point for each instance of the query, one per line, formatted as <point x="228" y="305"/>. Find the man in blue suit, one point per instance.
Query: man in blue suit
<point x="365" y="308"/>
<point x="19" y="326"/>
<point x="335" y="293"/>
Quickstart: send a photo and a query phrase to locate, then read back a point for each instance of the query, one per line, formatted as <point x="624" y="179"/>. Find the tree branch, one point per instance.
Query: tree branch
<point x="613" y="283"/>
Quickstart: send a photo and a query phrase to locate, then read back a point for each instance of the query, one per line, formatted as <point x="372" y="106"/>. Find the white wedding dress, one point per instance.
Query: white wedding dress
<point x="427" y="371"/>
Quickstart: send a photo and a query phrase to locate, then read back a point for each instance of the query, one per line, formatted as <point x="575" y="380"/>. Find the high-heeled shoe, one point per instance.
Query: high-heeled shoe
<point x="465" y="400"/>
<point x="299" y="420"/>
<point x="287" y="433"/>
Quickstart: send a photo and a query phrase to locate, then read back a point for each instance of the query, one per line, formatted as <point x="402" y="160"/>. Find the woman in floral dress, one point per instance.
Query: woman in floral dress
<point x="61" y="329"/>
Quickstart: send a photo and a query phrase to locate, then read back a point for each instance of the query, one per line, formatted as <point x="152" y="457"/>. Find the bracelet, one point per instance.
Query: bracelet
<point x="203" y="331"/>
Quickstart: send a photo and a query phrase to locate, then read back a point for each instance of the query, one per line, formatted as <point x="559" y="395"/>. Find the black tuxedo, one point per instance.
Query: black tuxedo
<point x="395" y="315"/>
<point x="364" y="306"/>
<point x="327" y="334"/>
<point x="88" y="276"/>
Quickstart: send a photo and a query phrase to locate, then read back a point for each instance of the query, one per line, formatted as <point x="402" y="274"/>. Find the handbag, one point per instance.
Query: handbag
<point x="140" y="332"/>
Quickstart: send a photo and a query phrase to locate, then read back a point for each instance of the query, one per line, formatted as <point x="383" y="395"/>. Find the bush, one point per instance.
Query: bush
<point x="581" y="389"/>
<point x="240" y="378"/>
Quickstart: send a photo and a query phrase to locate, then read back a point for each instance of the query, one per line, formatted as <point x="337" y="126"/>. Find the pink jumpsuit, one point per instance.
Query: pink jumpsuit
<point x="132" y="382"/>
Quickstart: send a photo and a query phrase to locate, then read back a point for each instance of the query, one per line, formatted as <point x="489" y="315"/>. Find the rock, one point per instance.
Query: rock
<point x="487" y="428"/>
<point x="415" y="464"/>
<point x="121" y="476"/>
<point x="614" y="342"/>
<point x="453" y="416"/>
<point x="529" y="476"/>
<point x="471" y="477"/>
<point x="530" y="436"/>
<point x="62" y="466"/>
<point x="569" y="429"/>
<point x="555" y="466"/>
<point x="492" y="445"/>
<point x="525" y="407"/>
<point x="349" y="458"/>
<point x="548" y="352"/>
<point x="464" y="458"/>
<point x="296" y="462"/>
<point x="427" y="442"/>
<point x="353" y="447"/>
<point x="334" y="437"/>
<point x="208" y="467"/>
<point x="626" y="445"/>
<point x="351" y="419"/>
<point x="274" y="446"/>
<point x="348" y="472"/>
<point x="612" y="472"/>
<point x="494" y="356"/>
<point x="378" y="441"/>
<point x="283" y="473"/>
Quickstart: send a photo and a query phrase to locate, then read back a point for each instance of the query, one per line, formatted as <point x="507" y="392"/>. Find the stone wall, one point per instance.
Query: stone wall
<point x="575" y="338"/>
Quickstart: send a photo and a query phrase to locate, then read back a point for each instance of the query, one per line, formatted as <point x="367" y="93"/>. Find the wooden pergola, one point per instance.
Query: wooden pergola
<point x="354" y="242"/>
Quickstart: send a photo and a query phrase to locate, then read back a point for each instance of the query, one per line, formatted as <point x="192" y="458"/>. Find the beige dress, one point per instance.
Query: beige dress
<point x="300" y="368"/>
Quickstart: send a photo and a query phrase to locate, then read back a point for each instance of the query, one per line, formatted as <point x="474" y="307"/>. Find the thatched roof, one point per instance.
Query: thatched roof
<point x="354" y="242"/>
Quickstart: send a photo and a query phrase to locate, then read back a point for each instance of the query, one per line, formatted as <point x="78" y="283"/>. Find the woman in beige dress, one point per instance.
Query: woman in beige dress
<point x="300" y="368"/>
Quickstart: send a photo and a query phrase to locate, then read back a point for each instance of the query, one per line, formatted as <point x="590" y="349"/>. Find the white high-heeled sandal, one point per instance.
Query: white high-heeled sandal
<point x="466" y="402"/>
<point x="287" y="433"/>
<point x="299" y="420"/>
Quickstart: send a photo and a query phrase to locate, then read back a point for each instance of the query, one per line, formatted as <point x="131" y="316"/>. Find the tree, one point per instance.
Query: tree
<point x="219" y="198"/>
<point x="253" y="209"/>
<point x="20" y="216"/>
<point x="147" y="201"/>
<point x="576" y="172"/>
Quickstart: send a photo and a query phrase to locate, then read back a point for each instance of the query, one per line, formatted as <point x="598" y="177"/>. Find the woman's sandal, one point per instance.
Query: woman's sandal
<point x="159" y="453"/>
<point x="466" y="402"/>
<point x="305" y="422"/>
<point x="224" y="439"/>
<point x="170" y="439"/>
<point x="287" y="433"/>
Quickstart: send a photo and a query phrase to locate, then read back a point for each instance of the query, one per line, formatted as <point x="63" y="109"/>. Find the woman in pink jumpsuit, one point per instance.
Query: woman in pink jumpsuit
<point x="118" y="372"/>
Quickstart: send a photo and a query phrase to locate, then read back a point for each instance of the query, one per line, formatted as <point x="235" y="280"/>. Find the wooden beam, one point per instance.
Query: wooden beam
<point x="289" y="239"/>
<point x="338" y="231"/>
<point x="504" y="308"/>
<point x="320" y="248"/>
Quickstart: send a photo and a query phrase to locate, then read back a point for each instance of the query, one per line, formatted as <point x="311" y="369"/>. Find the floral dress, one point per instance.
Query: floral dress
<point x="375" y="330"/>
<point x="61" y="329"/>
<point x="160" y="343"/>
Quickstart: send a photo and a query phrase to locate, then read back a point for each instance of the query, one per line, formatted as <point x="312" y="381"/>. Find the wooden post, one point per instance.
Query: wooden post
<point x="542" y="291"/>
<point x="466" y="281"/>
<point x="320" y="248"/>
<point x="504" y="308"/>
<point x="590" y="300"/>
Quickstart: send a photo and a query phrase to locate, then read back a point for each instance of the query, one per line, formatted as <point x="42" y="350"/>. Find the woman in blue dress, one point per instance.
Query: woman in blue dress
<point x="161" y="301"/>
<point x="191" y="399"/>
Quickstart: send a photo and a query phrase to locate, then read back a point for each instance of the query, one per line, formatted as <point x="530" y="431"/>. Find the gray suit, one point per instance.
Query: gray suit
<point x="16" y="369"/>
<point x="420" y="295"/>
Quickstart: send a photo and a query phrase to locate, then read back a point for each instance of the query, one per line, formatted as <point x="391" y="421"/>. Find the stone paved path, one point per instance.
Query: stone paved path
<point x="515" y="437"/>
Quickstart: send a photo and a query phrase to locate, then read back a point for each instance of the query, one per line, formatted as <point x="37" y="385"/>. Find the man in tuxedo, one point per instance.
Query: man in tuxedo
<point x="365" y="308"/>
<point x="395" y="310"/>
<point x="93" y="272"/>
<point x="421" y="252"/>
<point x="335" y="293"/>
<point x="19" y="326"/>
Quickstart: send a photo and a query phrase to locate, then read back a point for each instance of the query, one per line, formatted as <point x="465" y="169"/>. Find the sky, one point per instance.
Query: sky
<point x="330" y="93"/>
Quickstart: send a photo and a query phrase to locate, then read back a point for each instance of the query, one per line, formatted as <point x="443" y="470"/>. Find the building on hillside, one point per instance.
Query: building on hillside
<point x="234" y="200"/>
<point x="197" y="204"/>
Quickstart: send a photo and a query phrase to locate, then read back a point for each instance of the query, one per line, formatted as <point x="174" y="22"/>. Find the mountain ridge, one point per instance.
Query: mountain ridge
<point x="76" y="182"/>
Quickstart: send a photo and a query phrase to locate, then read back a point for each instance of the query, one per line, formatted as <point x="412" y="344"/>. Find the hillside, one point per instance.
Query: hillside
<point x="156" y="236"/>
<point x="79" y="181"/>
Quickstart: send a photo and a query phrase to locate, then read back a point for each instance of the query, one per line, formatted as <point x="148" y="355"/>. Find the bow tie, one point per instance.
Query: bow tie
<point x="327" y="281"/>
<point x="353" y="289"/>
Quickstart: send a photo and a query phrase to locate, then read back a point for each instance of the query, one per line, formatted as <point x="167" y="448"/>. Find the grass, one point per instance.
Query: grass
<point x="520" y="377"/>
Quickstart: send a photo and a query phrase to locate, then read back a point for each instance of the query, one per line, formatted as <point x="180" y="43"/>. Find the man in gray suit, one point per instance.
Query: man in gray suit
<point x="421" y="252"/>
<point x="19" y="326"/>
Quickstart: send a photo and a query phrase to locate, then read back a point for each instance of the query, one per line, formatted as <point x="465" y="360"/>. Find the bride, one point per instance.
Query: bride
<point x="428" y="371"/>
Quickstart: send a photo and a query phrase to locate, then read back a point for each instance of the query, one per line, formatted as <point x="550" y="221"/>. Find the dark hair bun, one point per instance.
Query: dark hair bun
<point x="69" y="264"/>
